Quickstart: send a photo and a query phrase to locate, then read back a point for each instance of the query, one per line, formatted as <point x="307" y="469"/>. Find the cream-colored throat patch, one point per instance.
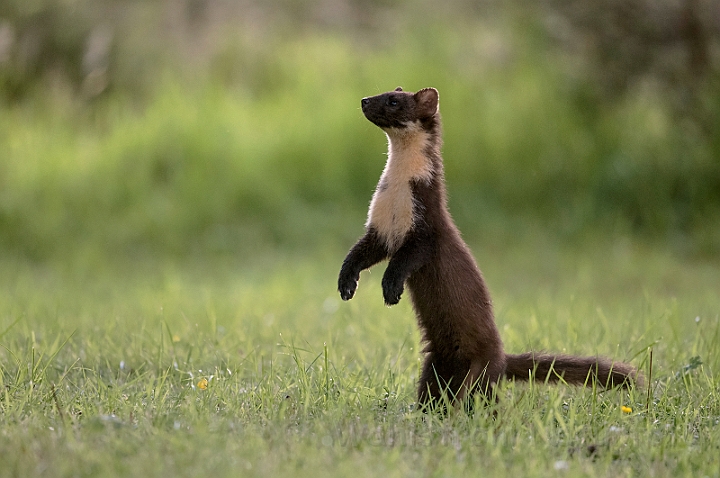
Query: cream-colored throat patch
<point x="392" y="210"/>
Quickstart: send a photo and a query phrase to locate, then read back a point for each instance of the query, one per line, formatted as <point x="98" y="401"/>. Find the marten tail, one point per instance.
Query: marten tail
<point x="571" y="369"/>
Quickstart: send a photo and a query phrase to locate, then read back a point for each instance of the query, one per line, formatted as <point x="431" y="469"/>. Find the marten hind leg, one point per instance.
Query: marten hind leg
<point x="433" y="391"/>
<point x="480" y="379"/>
<point x="448" y="387"/>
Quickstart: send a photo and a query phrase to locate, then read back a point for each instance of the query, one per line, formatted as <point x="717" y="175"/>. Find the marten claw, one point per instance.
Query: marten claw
<point x="348" y="293"/>
<point x="347" y="287"/>
<point x="392" y="293"/>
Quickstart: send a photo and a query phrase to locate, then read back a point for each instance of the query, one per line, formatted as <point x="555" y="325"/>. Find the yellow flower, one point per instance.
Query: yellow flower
<point x="626" y="409"/>
<point x="176" y="338"/>
<point x="202" y="384"/>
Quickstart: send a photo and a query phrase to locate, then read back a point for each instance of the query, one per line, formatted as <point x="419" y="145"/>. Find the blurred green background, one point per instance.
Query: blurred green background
<point x="173" y="127"/>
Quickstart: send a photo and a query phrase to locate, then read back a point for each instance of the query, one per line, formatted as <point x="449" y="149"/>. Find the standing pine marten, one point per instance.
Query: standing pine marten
<point x="409" y="224"/>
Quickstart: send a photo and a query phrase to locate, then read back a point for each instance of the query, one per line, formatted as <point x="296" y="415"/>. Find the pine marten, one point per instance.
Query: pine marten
<point x="409" y="224"/>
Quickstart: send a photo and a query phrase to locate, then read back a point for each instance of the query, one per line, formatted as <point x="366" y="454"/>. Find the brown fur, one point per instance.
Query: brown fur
<point x="409" y="224"/>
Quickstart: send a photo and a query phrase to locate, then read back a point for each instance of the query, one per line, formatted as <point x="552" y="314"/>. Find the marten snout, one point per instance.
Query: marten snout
<point x="394" y="109"/>
<point x="399" y="109"/>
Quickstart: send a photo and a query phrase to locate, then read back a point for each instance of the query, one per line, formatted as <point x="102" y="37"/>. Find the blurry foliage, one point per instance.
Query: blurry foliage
<point x="53" y="42"/>
<point x="182" y="124"/>
<point x="663" y="57"/>
<point x="622" y="44"/>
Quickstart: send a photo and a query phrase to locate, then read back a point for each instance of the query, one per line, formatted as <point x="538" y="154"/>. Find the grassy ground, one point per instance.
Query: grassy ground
<point x="222" y="366"/>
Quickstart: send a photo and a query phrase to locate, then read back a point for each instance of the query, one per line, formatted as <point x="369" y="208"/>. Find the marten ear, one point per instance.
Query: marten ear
<point x="399" y="88"/>
<point x="427" y="101"/>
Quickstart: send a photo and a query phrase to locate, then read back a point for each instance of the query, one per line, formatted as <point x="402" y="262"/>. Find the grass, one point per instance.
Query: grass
<point x="230" y="366"/>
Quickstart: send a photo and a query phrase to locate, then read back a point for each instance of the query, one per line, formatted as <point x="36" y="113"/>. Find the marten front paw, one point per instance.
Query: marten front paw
<point x="392" y="290"/>
<point x="347" y="284"/>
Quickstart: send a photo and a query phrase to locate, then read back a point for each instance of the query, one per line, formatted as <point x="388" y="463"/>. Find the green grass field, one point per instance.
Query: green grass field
<point x="254" y="367"/>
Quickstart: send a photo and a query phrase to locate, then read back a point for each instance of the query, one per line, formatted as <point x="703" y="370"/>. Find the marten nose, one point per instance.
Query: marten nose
<point x="365" y="101"/>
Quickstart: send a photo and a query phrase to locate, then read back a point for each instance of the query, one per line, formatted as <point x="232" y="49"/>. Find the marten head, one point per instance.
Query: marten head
<point x="398" y="109"/>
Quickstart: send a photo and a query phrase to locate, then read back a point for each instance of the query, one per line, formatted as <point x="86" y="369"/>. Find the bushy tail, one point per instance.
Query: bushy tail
<point x="572" y="369"/>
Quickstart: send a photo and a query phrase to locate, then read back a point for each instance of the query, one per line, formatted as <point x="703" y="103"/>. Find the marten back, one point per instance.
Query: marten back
<point x="409" y="224"/>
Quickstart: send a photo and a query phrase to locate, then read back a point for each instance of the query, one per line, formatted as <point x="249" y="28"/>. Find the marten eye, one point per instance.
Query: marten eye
<point x="391" y="102"/>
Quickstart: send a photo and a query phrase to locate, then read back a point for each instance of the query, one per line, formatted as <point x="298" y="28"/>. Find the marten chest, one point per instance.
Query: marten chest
<point x="393" y="209"/>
